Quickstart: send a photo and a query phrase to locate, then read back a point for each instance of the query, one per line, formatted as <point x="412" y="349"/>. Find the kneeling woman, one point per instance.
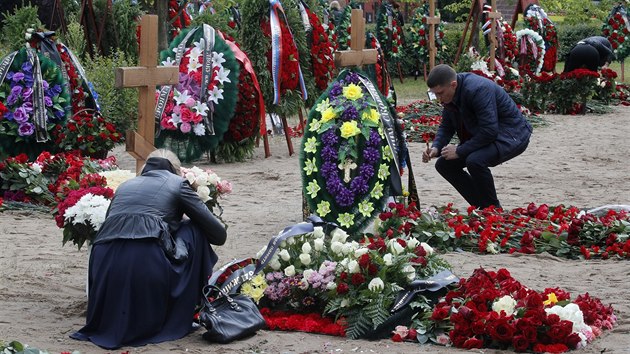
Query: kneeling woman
<point x="148" y="265"/>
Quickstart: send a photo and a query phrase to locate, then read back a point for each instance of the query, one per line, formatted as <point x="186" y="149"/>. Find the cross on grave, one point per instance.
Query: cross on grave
<point x="146" y="77"/>
<point x="432" y="21"/>
<point x="493" y="17"/>
<point x="357" y="55"/>
<point x="347" y="166"/>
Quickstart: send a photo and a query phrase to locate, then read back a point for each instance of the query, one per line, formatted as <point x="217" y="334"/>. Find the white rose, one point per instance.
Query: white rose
<point x="506" y="304"/>
<point x="275" y="264"/>
<point x="213" y="178"/>
<point x="412" y="243"/>
<point x="331" y="286"/>
<point x="284" y="254"/>
<point x="336" y="247"/>
<point x="395" y="247"/>
<point x="202" y="180"/>
<point x="305" y="258"/>
<point x="204" y="193"/>
<point x="319" y="244"/>
<point x="339" y="235"/>
<point x="361" y="251"/>
<point x="376" y="285"/>
<point x="290" y="241"/>
<point x="428" y="249"/>
<point x="388" y="259"/>
<point x="190" y="177"/>
<point x="306" y="248"/>
<point x="344" y="303"/>
<point x="318" y="232"/>
<point x="344" y="263"/>
<point x="410" y="271"/>
<point x="37" y="168"/>
<point x="347" y="248"/>
<point x="289" y="271"/>
<point x="353" y="267"/>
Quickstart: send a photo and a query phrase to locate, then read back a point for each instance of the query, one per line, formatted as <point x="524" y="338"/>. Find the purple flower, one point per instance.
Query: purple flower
<point x="375" y="138"/>
<point x="329" y="138"/>
<point x="27" y="93"/>
<point x="26" y="129"/>
<point x="352" y="78"/>
<point x="345" y="198"/>
<point x="28" y="107"/>
<point x="367" y="171"/>
<point x="27" y="67"/>
<point x="329" y="153"/>
<point x="16" y="91"/>
<point x="59" y="113"/>
<point x="336" y="90"/>
<point x="359" y="184"/>
<point x="17" y="77"/>
<point x="45" y="84"/>
<point x="48" y="101"/>
<point x="20" y="116"/>
<point x="371" y="155"/>
<point x="56" y="90"/>
<point x="350" y="113"/>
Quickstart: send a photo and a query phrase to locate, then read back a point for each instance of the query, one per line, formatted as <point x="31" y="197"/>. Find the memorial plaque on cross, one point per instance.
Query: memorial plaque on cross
<point x="146" y="77"/>
<point x="357" y="55"/>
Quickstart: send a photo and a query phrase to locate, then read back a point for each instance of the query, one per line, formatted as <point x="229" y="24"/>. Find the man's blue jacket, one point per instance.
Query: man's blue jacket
<point x="487" y="114"/>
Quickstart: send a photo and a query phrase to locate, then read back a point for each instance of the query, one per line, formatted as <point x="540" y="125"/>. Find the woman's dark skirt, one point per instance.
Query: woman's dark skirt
<point x="138" y="296"/>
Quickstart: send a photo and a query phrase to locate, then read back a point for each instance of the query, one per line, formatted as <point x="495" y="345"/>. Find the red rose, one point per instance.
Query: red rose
<point x="501" y="330"/>
<point x="397" y="338"/>
<point x="358" y="279"/>
<point x="342" y="288"/>
<point x="560" y="330"/>
<point x="473" y="343"/>
<point x="440" y="313"/>
<point x="520" y="343"/>
<point x="364" y="261"/>
<point x="413" y="334"/>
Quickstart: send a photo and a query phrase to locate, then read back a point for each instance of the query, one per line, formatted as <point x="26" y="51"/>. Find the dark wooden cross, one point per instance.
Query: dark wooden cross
<point x="146" y="77"/>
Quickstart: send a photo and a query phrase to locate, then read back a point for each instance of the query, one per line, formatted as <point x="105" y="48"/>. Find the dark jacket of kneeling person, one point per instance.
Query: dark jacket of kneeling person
<point x="483" y="113"/>
<point x="590" y="53"/>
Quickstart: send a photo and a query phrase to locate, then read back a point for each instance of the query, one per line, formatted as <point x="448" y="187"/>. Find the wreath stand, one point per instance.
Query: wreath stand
<point x="476" y="9"/>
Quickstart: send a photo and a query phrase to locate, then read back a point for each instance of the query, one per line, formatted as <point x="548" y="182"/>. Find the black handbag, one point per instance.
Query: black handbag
<point x="229" y="317"/>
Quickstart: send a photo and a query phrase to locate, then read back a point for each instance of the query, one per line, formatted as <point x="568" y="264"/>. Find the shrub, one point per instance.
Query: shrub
<point x="120" y="105"/>
<point x="15" y="26"/>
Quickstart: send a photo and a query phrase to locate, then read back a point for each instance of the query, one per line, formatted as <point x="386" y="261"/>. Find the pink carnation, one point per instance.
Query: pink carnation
<point x="185" y="127"/>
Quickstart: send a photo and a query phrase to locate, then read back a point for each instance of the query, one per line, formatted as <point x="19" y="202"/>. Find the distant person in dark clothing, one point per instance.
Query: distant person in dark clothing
<point x="335" y="12"/>
<point x="590" y="53"/>
<point x="490" y="128"/>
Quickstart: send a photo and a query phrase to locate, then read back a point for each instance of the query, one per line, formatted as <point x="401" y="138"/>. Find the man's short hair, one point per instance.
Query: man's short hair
<point x="441" y="75"/>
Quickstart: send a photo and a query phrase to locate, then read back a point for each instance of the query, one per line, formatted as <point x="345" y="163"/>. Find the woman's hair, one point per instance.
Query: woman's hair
<point x="335" y="5"/>
<point x="441" y="75"/>
<point x="170" y="156"/>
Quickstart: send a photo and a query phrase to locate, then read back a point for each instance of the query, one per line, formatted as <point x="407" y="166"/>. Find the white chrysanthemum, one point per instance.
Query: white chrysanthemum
<point x="89" y="209"/>
<point x="199" y="129"/>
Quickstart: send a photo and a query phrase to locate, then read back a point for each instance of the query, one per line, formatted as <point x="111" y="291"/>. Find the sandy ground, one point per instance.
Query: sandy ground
<point x="574" y="160"/>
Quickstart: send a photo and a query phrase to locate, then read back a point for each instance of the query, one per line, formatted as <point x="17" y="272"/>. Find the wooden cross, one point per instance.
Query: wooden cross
<point x="347" y="166"/>
<point x="432" y="21"/>
<point x="146" y="77"/>
<point x="493" y="17"/>
<point x="357" y="55"/>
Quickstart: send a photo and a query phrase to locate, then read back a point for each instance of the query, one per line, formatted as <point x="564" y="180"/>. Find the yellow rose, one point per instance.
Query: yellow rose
<point x="352" y="92"/>
<point x="349" y="129"/>
<point x="372" y="115"/>
<point x="328" y="114"/>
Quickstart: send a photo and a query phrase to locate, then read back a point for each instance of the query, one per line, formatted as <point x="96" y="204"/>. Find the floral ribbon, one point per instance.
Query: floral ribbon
<point x="5" y="65"/>
<point x="207" y="42"/>
<point x="41" y="133"/>
<point x="435" y="283"/>
<point x="524" y="40"/>
<point x="249" y="68"/>
<point x="275" y="10"/>
<point x="304" y="15"/>
<point x="389" y="128"/>
<point x="165" y="91"/>
<point x="240" y="276"/>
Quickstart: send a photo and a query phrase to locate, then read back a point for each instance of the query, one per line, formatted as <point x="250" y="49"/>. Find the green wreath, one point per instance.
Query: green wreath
<point x="420" y="35"/>
<point x="17" y="138"/>
<point x="344" y="28"/>
<point x="345" y="160"/>
<point x="187" y="143"/>
<point x="391" y="39"/>
<point x="257" y="45"/>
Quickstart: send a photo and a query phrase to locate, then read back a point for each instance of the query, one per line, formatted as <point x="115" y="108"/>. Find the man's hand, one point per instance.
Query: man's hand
<point x="449" y="152"/>
<point x="429" y="153"/>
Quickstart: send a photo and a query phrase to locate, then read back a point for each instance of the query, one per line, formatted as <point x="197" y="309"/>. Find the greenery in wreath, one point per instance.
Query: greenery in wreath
<point x="420" y="34"/>
<point x="345" y="160"/>
<point x="616" y="30"/>
<point x="389" y="32"/>
<point x="193" y="119"/>
<point x="239" y="140"/>
<point x="286" y="83"/>
<point x="31" y="82"/>
<point x="322" y="63"/>
<point x="344" y="27"/>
